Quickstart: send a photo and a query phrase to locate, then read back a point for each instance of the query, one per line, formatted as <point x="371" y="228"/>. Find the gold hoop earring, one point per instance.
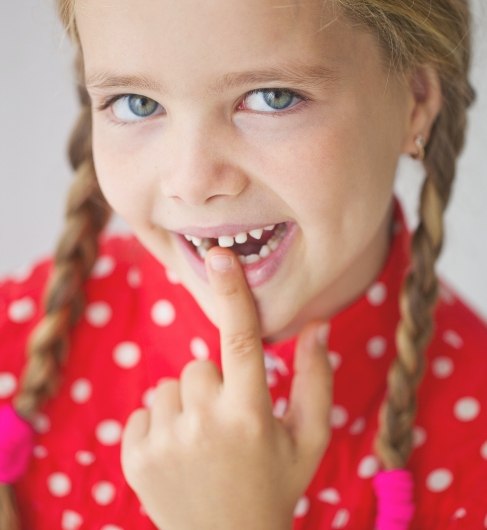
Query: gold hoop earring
<point x="420" y="144"/>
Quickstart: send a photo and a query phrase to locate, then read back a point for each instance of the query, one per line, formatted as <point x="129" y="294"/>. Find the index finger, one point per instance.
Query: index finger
<point x="242" y="356"/>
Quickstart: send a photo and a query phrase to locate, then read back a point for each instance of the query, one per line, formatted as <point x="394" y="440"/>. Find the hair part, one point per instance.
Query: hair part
<point x="411" y="34"/>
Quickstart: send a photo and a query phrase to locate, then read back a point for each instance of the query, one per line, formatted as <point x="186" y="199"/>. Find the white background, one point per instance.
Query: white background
<point x="38" y="107"/>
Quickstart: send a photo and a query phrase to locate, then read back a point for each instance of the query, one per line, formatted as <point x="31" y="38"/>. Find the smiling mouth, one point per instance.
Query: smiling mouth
<point x="250" y="247"/>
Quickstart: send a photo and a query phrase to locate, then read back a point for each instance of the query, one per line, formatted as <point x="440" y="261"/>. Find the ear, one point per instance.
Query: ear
<point x="426" y="102"/>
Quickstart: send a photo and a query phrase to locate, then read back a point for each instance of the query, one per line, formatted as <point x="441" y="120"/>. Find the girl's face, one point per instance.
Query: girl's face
<point x="236" y="115"/>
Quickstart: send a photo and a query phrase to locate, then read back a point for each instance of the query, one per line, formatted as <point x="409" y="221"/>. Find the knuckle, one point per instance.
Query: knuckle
<point x="164" y="389"/>
<point x="198" y="368"/>
<point x="253" y="427"/>
<point x="197" y="428"/>
<point x="318" y="441"/>
<point x="242" y="343"/>
<point x="229" y="290"/>
<point x="135" y="463"/>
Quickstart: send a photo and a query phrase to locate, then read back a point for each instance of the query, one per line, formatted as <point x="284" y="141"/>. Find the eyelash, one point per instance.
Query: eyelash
<point x="108" y="102"/>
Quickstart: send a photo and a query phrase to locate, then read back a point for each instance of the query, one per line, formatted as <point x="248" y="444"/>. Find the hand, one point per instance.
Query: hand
<point x="209" y="454"/>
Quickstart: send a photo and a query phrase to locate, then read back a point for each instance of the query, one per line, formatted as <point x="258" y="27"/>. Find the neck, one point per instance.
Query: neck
<point x="351" y="284"/>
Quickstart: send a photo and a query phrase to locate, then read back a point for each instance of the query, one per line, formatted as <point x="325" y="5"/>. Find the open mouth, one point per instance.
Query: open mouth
<point x="250" y="247"/>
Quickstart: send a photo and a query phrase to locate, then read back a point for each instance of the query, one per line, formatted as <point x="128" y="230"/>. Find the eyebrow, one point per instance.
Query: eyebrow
<point x="297" y="75"/>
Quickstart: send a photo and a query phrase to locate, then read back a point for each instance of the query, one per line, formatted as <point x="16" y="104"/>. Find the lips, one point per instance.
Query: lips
<point x="261" y="249"/>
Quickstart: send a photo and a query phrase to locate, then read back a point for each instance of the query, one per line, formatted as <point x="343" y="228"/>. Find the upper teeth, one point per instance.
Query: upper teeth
<point x="229" y="241"/>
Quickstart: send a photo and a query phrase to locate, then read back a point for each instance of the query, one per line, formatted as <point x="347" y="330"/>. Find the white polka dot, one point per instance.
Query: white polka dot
<point x="22" y="274"/>
<point x="81" y="391"/>
<point x="59" y="484"/>
<point x="172" y="277"/>
<point x="466" y="409"/>
<point x="453" y="339"/>
<point x="377" y="293"/>
<point x="376" y="347"/>
<point x="199" y="349"/>
<point x="39" y="452"/>
<point x="439" y="480"/>
<point x="272" y="379"/>
<point x="8" y="384"/>
<point x="483" y="451"/>
<point x="134" y="278"/>
<point x="329" y="495"/>
<point x="358" y="426"/>
<point x="103" y="267"/>
<point x="71" y="520"/>
<point x="98" y="314"/>
<point x="85" y="458"/>
<point x="21" y="310"/>
<point x="280" y="407"/>
<point x="42" y="423"/>
<point x="163" y="313"/>
<point x="108" y="432"/>
<point x="368" y="467"/>
<point x="302" y="507"/>
<point x="339" y="416"/>
<point x="460" y="513"/>
<point x="111" y="527"/>
<point x="335" y="360"/>
<point x="126" y="354"/>
<point x="341" y="519"/>
<point x="148" y="397"/>
<point x="419" y="436"/>
<point x="442" y="367"/>
<point x="446" y="295"/>
<point x="103" y="493"/>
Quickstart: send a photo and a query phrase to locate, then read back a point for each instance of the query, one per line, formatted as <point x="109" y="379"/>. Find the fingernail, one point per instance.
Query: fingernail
<point x="221" y="263"/>
<point x="322" y="334"/>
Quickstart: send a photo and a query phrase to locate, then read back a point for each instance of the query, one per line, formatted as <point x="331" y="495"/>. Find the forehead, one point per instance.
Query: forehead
<point x="191" y="40"/>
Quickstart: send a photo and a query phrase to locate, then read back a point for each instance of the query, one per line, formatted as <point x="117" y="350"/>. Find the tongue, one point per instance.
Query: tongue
<point x="249" y="247"/>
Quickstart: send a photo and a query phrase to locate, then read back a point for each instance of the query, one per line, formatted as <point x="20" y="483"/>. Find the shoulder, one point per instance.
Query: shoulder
<point x="458" y="350"/>
<point x="114" y="286"/>
<point x="450" y="457"/>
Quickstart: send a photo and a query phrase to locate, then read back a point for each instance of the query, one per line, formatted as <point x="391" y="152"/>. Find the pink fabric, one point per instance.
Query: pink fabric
<point x="395" y="505"/>
<point x="16" y="445"/>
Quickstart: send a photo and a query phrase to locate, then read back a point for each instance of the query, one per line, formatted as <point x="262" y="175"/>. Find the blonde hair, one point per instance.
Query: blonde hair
<point x="411" y="34"/>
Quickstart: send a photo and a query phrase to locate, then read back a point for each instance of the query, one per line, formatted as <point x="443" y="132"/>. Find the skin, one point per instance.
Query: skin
<point x="328" y="166"/>
<point x="207" y="159"/>
<point x="208" y="429"/>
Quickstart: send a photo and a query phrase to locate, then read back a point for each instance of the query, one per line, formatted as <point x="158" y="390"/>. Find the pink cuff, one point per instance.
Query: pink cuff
<point x="16" y="445"/>
<point x="395" y="505"/>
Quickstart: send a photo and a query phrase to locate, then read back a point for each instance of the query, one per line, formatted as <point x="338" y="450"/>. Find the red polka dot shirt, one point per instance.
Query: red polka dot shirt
<point x="141" y="324"/>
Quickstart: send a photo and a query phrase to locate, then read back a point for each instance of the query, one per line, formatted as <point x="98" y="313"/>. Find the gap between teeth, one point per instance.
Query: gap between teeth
<point x="229" y="241"/>
<point x="265" y="251"/>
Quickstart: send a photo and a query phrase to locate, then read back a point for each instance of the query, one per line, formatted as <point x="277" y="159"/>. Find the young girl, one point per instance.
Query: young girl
<point x="181" y="378"/>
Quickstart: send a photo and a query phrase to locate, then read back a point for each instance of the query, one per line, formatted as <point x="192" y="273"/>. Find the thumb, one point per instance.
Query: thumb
<point x="308" y="413"/>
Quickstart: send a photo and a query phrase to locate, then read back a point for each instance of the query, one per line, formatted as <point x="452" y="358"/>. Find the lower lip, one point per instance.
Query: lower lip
<point x="256" y="273"/>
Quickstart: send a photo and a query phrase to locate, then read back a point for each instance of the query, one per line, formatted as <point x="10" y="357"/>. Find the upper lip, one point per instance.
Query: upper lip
<point x="222" y="230"/>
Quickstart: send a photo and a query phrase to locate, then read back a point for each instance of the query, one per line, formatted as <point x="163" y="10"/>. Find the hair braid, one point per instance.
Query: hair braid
<point x="413" y="35"/>
<point x="87" y="213"/>
<point x="419" y="292"/>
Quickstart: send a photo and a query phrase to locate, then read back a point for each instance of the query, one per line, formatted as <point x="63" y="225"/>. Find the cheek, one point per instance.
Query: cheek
<point x="124" y="181"/>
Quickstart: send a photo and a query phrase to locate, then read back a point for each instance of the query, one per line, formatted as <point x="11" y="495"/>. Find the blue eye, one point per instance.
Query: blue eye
<point x="275" y="98"/>
<point x="133" y="107"/>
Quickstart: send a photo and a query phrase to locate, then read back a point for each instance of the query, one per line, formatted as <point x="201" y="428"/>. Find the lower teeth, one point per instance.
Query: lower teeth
<point x="265" y="251"/>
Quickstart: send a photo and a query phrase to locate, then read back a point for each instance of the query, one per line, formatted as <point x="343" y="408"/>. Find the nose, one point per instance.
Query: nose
<point x="202" y="165"/>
